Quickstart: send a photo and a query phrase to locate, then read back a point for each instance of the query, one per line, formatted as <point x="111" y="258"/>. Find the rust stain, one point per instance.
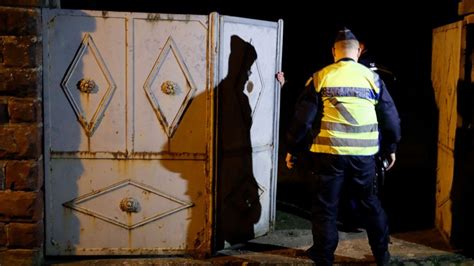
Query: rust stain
<point x="51" y="22"/>
<point x="129" y="217"/>
<point x="126" y="155"/>
<point x="170" y="17"/>
<point x="171" y="155"/>
<point x="153" y="17"/>
<point x="143" y="155"/>
<point x="197" y="243"/>
<point x="120" y="155"/>
<point x="69" y="247"/>
<point x="86" y="152"/>
<point x="146" y="194"/>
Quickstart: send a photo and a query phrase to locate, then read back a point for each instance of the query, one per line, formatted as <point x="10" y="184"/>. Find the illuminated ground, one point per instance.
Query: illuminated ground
<point x="286" y="245"/>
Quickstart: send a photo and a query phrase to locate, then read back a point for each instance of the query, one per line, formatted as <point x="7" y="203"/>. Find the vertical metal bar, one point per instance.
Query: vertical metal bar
<point x="212" y="82"/>
<point x="129" y="85"/>
<point x="276" y="126"/>
<point x="46" y="15"/>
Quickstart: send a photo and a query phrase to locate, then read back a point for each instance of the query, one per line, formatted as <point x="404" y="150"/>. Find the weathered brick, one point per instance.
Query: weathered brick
<point x="20" y="141"/>
<point x="20" y="82"/>
<point x="21" y="51"/>
<point x="19" y="21"/>
<point x="24" y="110"/>
<point x="4" y="118"/>
<point x="21" y="257"/>
<point x="7" y="142"/>
<point x="21" y="206"/>
<point x="2" y="48"/>
<point x="26" y="3"/>
<point x="25" y="235"/>
<point x="24" y="175"/>
<point x="3" y="174"/>
<point x="3" y="235"/>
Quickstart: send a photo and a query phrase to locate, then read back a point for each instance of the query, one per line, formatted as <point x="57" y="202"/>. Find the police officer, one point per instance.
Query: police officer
<point x="349" y="103"/>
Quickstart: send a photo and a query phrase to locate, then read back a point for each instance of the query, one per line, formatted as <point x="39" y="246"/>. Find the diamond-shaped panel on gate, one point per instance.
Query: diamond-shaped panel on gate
<point x="169" y="87"/>
<point x="146" y="204"/>
<point x="88" y="85"/>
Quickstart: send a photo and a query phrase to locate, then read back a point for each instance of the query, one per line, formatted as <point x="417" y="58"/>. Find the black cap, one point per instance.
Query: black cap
<point x="345" y="35"/>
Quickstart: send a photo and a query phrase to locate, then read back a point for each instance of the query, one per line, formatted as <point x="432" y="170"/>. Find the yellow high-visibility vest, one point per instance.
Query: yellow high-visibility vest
<point x="349" y="92"/>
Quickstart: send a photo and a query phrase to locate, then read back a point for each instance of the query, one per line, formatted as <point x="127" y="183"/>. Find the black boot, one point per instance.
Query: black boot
<point x="383" y="260"/>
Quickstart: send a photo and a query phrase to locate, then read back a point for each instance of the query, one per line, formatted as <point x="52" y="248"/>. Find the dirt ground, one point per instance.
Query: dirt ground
<point x="292" y="236"/>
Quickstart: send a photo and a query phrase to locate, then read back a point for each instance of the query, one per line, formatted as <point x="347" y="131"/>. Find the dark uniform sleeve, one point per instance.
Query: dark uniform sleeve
<point x="305" y="112"/>
<point x="388" y="119"/>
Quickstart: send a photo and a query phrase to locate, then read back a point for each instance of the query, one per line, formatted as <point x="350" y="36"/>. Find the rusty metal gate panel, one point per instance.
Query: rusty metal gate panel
<point x="446" y="56"/>
<point x="128" y="110"/>
<point x="248" y="110"/>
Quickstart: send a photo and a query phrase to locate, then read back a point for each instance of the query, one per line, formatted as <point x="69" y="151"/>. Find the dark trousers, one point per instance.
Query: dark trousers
<point x="329" y="174"/>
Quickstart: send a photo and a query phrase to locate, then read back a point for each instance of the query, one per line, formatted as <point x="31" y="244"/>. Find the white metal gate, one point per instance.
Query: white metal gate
<point x="127" y="123"/>
<point x="248" y="110"/>
<point x="129" y="131"/>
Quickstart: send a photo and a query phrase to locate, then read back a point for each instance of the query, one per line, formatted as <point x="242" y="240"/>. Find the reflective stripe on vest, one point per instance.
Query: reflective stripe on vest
<point x="349" y="92"/>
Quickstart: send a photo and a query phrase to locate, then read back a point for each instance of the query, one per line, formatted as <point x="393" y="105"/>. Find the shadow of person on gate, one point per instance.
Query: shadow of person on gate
<point x="237" y="201"/>
<point x="67" y="114"/>
<point x="237" y="205"/>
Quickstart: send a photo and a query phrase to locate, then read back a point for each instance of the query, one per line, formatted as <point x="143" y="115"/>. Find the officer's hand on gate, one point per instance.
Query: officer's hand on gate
<point x="280" y="76"/>
<point x="391" y="161"/>
<point x="289" y="161"/>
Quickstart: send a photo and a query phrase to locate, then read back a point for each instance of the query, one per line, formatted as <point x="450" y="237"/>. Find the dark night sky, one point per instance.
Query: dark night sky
<point x="398" y="35"/>
<point x="397" y="32"/>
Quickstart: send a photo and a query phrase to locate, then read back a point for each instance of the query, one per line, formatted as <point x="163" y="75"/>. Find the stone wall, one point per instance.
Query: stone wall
<point x="21" y="131"/>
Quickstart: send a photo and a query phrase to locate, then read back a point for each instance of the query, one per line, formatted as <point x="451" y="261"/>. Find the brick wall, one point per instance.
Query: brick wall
<point x="21" y="129"/>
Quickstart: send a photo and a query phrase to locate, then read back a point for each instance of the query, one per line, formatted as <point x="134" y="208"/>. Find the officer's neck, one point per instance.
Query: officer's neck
<point x="345" y="59"/>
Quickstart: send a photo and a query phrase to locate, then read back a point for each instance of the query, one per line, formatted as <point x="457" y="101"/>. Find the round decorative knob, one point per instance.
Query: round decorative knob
<point x="129" y="205"/>
<point x="169" y="87"/>
<point x="86" y="85"/>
